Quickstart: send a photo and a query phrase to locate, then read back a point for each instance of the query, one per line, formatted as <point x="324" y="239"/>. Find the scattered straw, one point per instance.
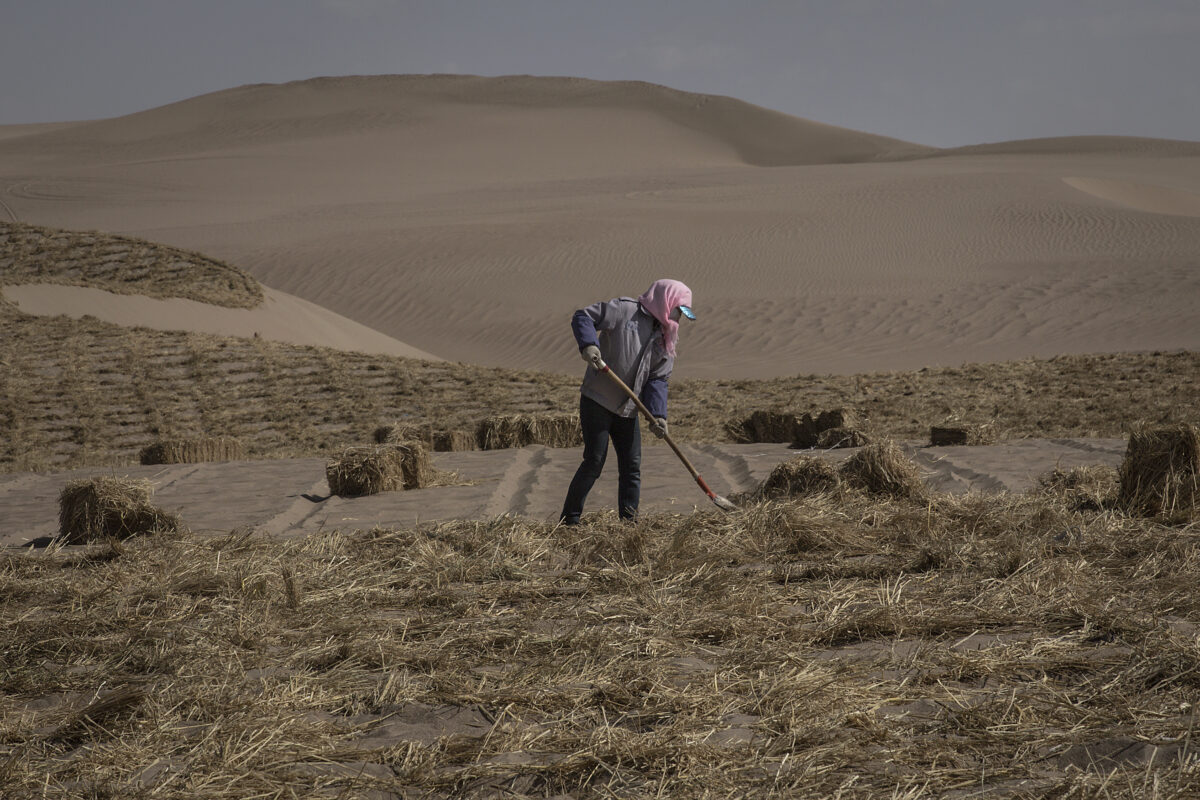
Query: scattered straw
<point x="1161" y="470"/>
<point x="1089" y="488"/>
<point x="193" y="451"/>
<point x="96" y="509"/>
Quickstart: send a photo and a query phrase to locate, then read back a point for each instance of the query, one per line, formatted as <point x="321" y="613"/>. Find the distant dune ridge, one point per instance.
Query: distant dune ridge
<point x="469" y="216"/>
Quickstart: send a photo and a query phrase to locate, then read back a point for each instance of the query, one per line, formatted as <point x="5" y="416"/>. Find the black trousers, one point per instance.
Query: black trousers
<point x="599" y="426"/>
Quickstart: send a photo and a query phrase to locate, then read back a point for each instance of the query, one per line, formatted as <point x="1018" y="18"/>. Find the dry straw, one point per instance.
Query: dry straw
<point x="835" y="427"/>
<point x="1161" y="470"/>
<point x="1090" y="488"/>
<point x="520" y="430"/>
<point x="193" y="451"/>
<point x="883" y="469"/>
<point x="454" y="441"/>
<point x="396" y="432"/>
<point x="96" y="509"/>
<point x="766" y="426"/>
<point x="801" y="475"/>
<point x="958" y="434"/>
<point x="358" y="471"/>
<point x="834" y="438"/>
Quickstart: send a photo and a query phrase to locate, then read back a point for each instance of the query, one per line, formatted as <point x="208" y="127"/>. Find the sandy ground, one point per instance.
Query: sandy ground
<point x="468" y="217"/>
<point x="281" y="317"/>
<point x="291" y="497"/>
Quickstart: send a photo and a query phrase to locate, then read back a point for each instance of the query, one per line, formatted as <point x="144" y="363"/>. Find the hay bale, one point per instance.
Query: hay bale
<point x="521" y="430"/>
<point x="397" y="432"/>
<point x="1161" y="471"/>
<point x="800" y="475"/>
<point x="835" y="427"/>
<point x="359" y="471"/>
<point x="835" y="418"/>
<point x="768" y="426"/>
<point x="98" y="509"/>
<point x="882" y="468"/>
<point x="416" y="465"/>
<point x="454" y="441"/>
<point x="841" y="437"/>
<point x="959" y="434"/>
<point x="193" y="451"/>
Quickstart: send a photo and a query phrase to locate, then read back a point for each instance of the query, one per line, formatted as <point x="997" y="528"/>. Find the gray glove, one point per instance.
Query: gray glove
<point x="591" y="354"/>
<point x="659" y="427"/>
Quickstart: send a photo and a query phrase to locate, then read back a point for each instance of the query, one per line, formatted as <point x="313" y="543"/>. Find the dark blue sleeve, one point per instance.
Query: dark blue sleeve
<point x="584" y="329"/>
<point x="654" y="395"/>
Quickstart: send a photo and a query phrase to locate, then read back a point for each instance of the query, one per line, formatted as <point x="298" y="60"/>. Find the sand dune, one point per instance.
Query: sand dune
<point x="280" y="318"/>
<point x="470" y="216"/>
<point x="325" y="107"/>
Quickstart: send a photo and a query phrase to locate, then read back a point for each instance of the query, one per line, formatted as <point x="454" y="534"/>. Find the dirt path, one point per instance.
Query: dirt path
<point x="290" y="497"/>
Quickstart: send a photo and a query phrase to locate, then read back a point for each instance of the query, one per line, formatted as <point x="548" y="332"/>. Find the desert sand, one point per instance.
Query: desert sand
<point x="468" y="217"/>
<point x="291" y="497"/>
<point x="280" y="318"/>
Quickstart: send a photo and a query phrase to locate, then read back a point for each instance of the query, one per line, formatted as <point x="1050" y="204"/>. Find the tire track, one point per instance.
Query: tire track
<point x="8" y="210"/>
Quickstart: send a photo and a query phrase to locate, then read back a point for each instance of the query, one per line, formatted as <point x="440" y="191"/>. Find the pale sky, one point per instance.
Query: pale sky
<point x="938" y="72"/>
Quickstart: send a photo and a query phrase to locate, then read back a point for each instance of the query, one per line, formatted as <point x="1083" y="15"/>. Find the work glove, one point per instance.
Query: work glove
<point x="659" y="427"/>
<point x="591" y="354"/>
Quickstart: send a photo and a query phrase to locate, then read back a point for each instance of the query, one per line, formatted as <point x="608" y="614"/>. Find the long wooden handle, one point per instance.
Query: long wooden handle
<point x="666" y="436"/>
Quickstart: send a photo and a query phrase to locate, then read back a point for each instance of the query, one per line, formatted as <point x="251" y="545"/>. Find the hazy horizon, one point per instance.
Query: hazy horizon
<point x="929" y="71"/>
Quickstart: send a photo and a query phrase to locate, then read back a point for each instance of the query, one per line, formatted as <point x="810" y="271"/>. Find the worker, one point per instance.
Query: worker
<point x="636" y="338"/>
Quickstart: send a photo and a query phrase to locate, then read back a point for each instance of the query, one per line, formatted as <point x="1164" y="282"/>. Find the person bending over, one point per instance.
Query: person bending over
<point x="636" y="339"/>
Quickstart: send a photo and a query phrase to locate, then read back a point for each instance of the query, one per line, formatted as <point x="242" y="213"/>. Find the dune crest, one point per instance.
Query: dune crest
<point x="331" y="106"/>
<point x="1140" y="196"/>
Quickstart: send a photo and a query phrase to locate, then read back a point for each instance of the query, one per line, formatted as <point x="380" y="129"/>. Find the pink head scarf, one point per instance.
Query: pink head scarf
<point x="663" y="297"/>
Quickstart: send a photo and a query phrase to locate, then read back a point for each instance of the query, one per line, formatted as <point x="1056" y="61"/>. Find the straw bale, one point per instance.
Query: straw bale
<point x="1161" y="471"/>
<point x="841" y="437"/>
<point x="835" y="427"/>
<point x="520" y="430"/>
<point x="415" y="464"/>
<point x="882" y="468"/>
<point x="96" y="509"/>
<point x="454" y="441"/>
<point x="768" y="426"/>
<point x="358" y="471"/>
<point x="193" y="451"/>
<point x="396" y="432"/>
<point x="801" y="475"/>
<point x="837" y="418"/>
<point x="958" y="434"/>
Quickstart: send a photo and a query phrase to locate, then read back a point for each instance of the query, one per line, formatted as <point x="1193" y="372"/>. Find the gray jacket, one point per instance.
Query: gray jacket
<point x="630" y="342"/>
